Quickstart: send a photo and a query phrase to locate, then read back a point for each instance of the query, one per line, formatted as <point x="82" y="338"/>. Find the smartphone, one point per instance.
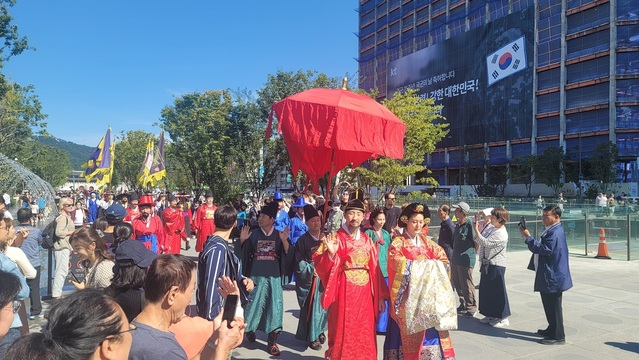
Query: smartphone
<point x="522" y="223"/>
<point x="230" y="304"/>
<point x="74" y="277"/>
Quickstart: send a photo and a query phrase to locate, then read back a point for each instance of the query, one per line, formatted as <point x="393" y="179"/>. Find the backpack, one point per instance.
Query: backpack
<point x="48" y="235"/>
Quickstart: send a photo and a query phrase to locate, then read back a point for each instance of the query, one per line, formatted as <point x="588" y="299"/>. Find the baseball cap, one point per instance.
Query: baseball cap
<point x="115" y="213"/>
<point x="463" y="206"/>
<point x="133" y="250"/>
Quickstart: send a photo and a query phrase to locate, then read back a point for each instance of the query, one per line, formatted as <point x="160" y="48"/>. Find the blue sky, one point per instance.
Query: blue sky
<point x="118" y="63"/>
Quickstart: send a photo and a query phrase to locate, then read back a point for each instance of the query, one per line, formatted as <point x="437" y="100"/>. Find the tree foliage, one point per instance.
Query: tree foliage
<point x="549" y="168"/>
<point x="523" y="170"/>
<point x="20" y="113"/>
<point x="603" y="162"/>
<point x="425" y="127"/>
<point x="198" y="124"/>
<point x="20" y="110"/>
<point x="130" y="148"/>
<point x="49" y="163"/>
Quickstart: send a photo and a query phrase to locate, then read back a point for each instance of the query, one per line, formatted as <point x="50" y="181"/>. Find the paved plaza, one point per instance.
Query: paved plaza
<point x="601" y="315"/>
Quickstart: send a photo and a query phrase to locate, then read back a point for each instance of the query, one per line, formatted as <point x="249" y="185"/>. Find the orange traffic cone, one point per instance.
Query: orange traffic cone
<point x="602" y="252"/>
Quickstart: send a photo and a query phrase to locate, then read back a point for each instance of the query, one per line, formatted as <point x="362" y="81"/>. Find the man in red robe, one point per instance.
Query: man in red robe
<point x="355" y="289"/>
<point x="148" y="228"/>
<point x="203" y="223"/>
<point x="174" y="222"/>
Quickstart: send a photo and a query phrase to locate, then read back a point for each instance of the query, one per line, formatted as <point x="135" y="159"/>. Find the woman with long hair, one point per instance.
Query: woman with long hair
<point x="96" y="259"/>
<point x="85" y="325"/>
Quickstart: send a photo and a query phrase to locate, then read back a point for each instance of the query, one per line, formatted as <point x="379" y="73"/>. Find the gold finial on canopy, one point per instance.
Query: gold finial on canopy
<point x="344" y="82"/>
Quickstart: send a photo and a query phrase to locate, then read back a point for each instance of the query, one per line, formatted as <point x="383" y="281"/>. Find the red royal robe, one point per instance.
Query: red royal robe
<point x="152" y="226"/>
<point x="203" y="224"/>
<point x="353" y="285"/>
<point x="174" y="227"/>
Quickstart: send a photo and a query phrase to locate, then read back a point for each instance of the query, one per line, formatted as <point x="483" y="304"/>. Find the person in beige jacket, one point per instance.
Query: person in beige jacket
<point x="62" y="248"/>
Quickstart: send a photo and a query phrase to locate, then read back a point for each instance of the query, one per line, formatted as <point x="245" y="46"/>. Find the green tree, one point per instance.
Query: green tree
<point x="549" y="168"/>
<point x="522" y="170"/>
<point x="130" y="148"/>
<point x="176" y="172"/>
<point x="198" y="125"/>
<point x="20" y="113"/>
<point x="424" y="129"/>
<point x="50" y="164"/>
<point x="20" y="110"/>
<point x="603" y="164"/>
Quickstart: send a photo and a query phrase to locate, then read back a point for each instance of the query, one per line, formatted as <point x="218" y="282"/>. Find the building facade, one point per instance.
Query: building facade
<point x="515" y="77"/>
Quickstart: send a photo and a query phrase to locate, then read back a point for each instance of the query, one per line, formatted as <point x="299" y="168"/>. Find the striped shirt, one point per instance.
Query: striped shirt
<point x="212" y="264"/>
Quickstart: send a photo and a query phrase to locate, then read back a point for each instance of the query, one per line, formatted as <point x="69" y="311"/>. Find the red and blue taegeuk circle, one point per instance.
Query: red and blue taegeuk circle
<point x="505" y="60"/>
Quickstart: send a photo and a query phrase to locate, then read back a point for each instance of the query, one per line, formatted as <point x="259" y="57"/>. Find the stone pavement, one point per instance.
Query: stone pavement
<point x="601" y="317"/>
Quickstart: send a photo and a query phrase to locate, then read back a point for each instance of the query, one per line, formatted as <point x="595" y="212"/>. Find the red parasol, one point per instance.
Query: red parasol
<point x="327" y="129"/>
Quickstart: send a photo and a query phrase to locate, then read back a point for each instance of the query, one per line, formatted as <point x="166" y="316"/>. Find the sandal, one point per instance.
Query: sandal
<point x="315" y="345"/>
<point x="273" y="350"/>
<point x="250" y="336"/>
<point x="271" y="346"/>
<point x="322" y="338"/>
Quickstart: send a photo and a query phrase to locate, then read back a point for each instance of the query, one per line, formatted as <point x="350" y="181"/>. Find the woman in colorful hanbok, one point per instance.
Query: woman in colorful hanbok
<point x="422" y="305"/>
<point x="382" y="240"/>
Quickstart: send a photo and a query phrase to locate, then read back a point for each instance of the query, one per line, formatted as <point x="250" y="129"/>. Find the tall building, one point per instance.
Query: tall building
<point x="515" y="77"/>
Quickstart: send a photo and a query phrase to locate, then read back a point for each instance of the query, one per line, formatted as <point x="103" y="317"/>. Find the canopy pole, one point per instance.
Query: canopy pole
<point x="328" y="188"/>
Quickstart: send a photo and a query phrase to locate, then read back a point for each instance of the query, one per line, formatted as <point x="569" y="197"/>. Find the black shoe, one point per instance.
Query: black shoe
<point x="188" y="246"/>
<point x="315" y="345"/>
<point x="549" y="341"/>
<point x="322" y="338"/>
<point x="250" y="336"/>
<point x="544" y="333"/>
<point x="461" y="309"/>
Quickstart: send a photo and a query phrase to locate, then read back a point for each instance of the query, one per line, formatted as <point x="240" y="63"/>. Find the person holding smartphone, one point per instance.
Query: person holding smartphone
<point x="96" y="259"/>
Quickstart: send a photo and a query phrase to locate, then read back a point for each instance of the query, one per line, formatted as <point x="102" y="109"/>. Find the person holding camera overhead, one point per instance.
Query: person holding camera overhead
<point x="493" y="299"/>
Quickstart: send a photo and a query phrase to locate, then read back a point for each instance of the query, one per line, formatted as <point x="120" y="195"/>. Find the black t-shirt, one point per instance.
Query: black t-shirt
<point x="392" y="216"/>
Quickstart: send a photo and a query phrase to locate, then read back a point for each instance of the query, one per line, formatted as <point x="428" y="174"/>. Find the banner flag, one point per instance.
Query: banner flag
<point x="158" y="169"/>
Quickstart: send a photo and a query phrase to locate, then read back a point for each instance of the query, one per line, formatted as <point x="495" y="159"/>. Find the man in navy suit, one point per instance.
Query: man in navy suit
<point x="552" y="273"/>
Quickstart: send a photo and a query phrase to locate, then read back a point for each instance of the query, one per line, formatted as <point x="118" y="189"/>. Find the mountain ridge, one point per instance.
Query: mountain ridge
<point x="78" y="154"/>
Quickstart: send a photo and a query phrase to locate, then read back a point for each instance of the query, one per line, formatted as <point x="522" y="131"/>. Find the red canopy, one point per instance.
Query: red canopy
<point x="327" y="129"/>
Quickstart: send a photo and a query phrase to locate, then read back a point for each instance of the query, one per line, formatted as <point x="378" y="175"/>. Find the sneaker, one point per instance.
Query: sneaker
<point x="470" y="314"/>
<point x="486" y="320"/>
<point x="500" y="323"/>
<point x="461" y="309"/>
<point x="36" y="316"/>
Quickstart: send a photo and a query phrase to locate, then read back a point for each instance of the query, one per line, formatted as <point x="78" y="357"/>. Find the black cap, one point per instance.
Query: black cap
<point x="270" y="210"/>
<point x="356" y="201"/>
<point x="310" y="212"/>
<point x="134" y="251"/>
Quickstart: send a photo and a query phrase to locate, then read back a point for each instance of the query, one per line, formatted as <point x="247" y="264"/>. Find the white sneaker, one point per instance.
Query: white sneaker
<point x="487" y="320"/>
<point x="500" y="323"/>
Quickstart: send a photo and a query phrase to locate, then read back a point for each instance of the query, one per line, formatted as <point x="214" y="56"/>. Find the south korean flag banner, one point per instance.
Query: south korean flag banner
<point x="506" y="61"/>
